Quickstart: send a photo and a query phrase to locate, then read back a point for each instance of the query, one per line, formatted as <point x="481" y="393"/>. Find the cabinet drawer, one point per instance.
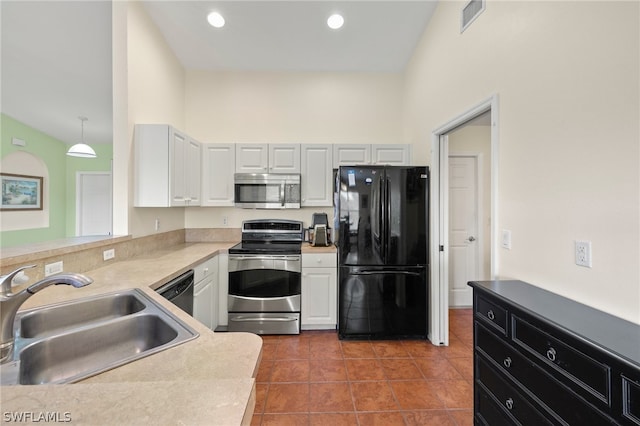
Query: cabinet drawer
<point x="631" y="400"/>
<point x="557" y="397"/>
<point x="487" y="411"/>
<point x="204" y="269"/>
<point x="507" y="398"/>
<point x="491" y="313"/>
<point x="319" y="260"/>
<point x="585" y="375"/>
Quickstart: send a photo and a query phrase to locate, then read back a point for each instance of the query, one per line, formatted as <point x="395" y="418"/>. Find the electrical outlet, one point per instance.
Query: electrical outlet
<point x="506" y="239"/>
<point x="225" y="220"/>
<point x="583" y="253"/>
<point x="53" y="268"/>
<point x="157" y="224"/>
<point x="109" y="254"/>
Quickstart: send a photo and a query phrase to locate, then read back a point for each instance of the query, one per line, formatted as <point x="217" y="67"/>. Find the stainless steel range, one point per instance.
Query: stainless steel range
<point x="265" y="277"/>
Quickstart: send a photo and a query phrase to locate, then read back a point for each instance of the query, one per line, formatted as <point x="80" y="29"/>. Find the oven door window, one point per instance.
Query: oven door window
<point x="258" y="193"/>
<point x="264" y="283"/>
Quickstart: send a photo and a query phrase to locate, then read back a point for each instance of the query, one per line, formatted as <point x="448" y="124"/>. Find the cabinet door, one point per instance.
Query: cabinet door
<point x="218" y="167"/>
<point x="284" y="158"/>
<point x="319" y="298"/>
<point x="151" y="170"/>
<point x="252" y="158"/>
<point x="193" y="175"/>
<point x="177" y="168"/>
<point x="202" y="301"/>
<point x="346" y="155"/>
<point x="392" y="154"/>
<point x="317" y="175"/>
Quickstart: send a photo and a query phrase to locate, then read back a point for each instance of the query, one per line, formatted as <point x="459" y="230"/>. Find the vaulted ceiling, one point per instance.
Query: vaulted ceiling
<point x="56" y="55"/>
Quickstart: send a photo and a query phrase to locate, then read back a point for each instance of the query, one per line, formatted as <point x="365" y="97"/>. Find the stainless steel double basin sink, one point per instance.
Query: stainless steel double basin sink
<point x="70" y="341"/>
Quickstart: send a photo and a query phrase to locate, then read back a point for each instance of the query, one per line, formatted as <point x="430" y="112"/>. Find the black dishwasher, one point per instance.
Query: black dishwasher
<point x="179" y="291"/>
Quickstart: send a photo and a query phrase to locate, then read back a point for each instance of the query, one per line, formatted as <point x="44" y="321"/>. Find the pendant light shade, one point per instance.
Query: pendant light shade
<point x="81" y="149"/>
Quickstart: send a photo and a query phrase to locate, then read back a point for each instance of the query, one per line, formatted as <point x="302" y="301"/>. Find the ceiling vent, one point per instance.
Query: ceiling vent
<point x="470" y="12"/>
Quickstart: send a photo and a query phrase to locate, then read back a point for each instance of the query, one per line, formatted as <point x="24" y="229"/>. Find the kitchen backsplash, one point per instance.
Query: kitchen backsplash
<point x="85" y="257"/>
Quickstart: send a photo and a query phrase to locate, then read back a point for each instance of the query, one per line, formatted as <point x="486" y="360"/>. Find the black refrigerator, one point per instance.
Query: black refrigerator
<point x="382" y="220"/>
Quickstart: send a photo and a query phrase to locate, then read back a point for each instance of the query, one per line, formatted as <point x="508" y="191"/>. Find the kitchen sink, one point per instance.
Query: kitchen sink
<point x="71" y="341"/>
<point x="59" y="317"/>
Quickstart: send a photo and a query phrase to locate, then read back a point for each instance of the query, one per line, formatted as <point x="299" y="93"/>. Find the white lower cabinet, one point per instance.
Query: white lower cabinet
<point x="319" y="308"/>
<point x="205" y="293"/>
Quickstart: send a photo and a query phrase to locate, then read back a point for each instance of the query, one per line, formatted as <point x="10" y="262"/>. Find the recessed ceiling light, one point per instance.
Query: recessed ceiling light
<point x="215" y="20"/>
<point x="335" y="21"/>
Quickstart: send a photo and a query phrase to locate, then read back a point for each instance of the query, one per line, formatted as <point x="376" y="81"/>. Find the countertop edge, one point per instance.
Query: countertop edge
<point x="237" y="356"/>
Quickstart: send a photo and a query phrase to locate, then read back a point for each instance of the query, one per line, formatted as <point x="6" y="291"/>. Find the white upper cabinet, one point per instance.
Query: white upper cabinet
<point x="252" y="158"/>
<point x="374" y="154"/>
<point x="167" y="167"/>
<point x="218" y="167"/>
<point x="267" y="158"/>
<point x="392" y="154"/>
<point x="345" y="155"/>
<point x="316" y="175"/>
<point x="284" y="158"/>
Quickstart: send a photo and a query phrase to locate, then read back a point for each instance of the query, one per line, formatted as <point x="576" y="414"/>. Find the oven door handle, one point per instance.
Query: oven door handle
<point x="262" y="319"/>
<point x="269" y="257"/>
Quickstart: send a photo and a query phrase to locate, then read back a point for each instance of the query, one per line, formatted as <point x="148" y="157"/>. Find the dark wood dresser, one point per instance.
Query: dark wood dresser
<point x="543" y="359"/>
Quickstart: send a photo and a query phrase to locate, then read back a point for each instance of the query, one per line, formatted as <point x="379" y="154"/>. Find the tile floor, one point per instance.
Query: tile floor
<point x="316" y="379"/>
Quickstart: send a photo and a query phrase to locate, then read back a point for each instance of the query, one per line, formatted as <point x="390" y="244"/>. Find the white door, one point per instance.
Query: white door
<point x="347" y="155"/>
<point x="317" y="175"/>
<point x="252" y="158"/>
<point x="463" y="228"/>
<point x="284" y="158"/>
<point x="218" y="167"/>
<point x="93" y="200"/>
<point x="193" y="175"/>
<point x="395" y="155"/>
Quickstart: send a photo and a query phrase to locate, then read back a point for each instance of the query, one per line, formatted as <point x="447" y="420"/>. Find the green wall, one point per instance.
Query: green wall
<point x="62" y="176"/>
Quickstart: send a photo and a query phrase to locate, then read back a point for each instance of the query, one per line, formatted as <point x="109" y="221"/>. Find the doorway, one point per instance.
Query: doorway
<point x="469" y="207"/>
<point x="93" y="203"/>
<point x="444" y="247"/>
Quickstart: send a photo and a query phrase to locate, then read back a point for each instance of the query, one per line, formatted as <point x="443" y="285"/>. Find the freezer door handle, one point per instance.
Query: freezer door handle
<point x="367" y="272"/>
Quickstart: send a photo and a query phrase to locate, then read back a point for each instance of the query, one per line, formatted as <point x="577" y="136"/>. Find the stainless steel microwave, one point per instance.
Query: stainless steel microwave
<point x="267" y="191"/>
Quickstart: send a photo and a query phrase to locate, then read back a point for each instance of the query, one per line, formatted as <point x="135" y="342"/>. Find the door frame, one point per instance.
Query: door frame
<point x="439" y="226"/>
<point x="479" y="219"/>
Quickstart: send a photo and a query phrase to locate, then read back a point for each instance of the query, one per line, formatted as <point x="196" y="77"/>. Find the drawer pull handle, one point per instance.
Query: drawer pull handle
<point x="507" y="362"/>
<point x="551" y="354"/>
<point x="509" y="404"/>
<point x="491" y="315"/>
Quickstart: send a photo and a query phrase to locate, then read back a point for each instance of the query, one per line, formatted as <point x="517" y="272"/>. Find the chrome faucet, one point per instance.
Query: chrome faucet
<point x="11" y="302"/>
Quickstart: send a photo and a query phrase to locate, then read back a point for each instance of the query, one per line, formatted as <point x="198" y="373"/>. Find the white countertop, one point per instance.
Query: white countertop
<point x="206" y="381"/>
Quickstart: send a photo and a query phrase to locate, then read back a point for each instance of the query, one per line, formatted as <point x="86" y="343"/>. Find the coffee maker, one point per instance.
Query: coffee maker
<point x="319" y="234"/>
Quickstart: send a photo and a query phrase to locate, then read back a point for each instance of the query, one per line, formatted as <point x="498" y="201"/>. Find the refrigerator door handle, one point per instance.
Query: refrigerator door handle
<point x="387" y="217"/>
<point x="373" y="272"/>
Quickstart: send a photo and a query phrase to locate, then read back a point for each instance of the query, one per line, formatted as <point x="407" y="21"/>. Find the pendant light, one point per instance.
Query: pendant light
<point x="81" y="149"/>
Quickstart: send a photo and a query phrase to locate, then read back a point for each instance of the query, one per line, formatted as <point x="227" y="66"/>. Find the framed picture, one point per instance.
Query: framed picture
<point x="20" y="192"/>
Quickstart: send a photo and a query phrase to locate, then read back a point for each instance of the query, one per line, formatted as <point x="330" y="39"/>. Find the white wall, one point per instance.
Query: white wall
<point x="566" y="74"/>
<point x="289" y="108"/>
<point x="156" y="93"/>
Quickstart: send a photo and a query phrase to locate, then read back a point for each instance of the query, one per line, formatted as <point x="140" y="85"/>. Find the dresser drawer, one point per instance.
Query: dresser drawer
<point x="512" y="403"/>
<point x="491" y="313"/>
<point x="631" y="400"/>
<point x="585" y="375"/>
<point x="557" y="397"/>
